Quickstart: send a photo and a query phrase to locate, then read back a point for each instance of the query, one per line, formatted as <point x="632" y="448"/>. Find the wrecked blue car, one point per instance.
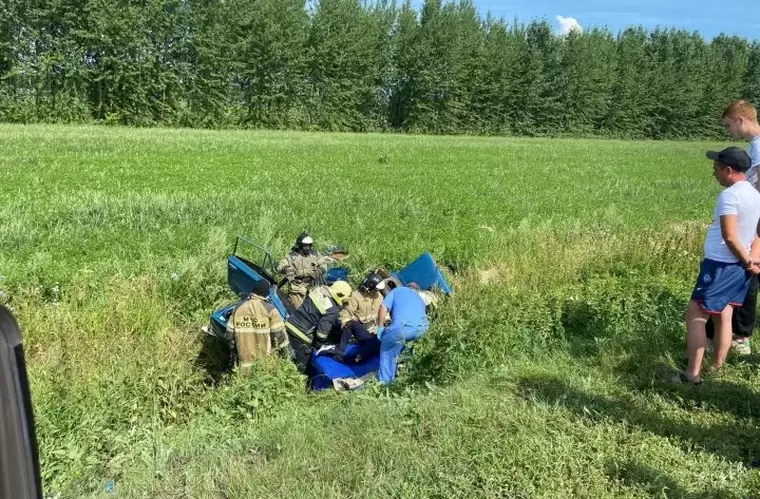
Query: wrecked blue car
<point x="250" y="263"/>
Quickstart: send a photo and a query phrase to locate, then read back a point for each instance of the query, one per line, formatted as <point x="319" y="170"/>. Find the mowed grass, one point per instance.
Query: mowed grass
<point x="545" y="375"/>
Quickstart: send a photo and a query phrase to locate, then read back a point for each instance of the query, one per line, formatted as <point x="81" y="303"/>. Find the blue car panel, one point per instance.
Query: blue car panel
<point x="241" y="277"/>
<point x="219" y="319"/>
<point x="425" y="273"/>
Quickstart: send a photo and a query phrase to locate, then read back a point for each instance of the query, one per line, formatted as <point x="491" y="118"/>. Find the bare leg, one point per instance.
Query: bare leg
<point x="723" y="335"/>
<point x="695" y="339"/>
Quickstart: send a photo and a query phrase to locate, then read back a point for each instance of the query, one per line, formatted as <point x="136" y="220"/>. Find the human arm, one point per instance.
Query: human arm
<point x="728" y="212"/>
<point x="349" y="311"/>
<point x="230" y="330"/>
<point x="285" y="266"/>
<point x="729" y="228"/>
<point x="381" y="313"/>
<point x="279" y="337"/>
<point x="318" y="266"/>
<point x="385" y="307"/>
<point x="232" y="325"/>
<point x="327" y="323"/>
<point x="229" y="336"/>
<point x="322" y="261"/>
<point x="754" y="252"/>
<point x="754" y="155"/>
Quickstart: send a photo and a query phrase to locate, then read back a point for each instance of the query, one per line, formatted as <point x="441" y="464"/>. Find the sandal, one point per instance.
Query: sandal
<point x="682" y="378"/>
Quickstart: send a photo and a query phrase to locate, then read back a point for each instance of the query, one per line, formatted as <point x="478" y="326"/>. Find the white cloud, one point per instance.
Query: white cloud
<point x="567" y="24"/>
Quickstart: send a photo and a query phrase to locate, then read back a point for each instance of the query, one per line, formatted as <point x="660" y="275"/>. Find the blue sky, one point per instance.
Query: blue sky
<point x="709" y="17"/>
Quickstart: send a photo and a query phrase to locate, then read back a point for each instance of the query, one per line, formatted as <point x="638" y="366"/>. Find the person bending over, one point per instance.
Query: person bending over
<point x="408" y="322"/>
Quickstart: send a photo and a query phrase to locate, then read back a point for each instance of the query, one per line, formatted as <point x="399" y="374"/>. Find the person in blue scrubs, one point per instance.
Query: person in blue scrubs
<point x="408" y="322"/>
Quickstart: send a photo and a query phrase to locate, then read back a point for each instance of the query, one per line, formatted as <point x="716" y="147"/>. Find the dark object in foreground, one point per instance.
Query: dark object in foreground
<point x="19" y="461"/>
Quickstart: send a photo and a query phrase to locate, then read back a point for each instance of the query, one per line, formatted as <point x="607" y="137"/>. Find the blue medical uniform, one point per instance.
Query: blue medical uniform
<point x="408" y="322"/>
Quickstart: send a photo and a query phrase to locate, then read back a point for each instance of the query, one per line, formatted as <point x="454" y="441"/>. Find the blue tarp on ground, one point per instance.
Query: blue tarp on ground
<point x="323" y="369"/>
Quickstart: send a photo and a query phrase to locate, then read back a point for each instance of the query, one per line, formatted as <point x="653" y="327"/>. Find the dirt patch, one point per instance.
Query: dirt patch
<point x="493" y="275"/>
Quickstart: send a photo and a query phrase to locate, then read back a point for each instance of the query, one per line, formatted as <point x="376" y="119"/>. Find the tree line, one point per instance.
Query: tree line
<point x="351" y="65"/>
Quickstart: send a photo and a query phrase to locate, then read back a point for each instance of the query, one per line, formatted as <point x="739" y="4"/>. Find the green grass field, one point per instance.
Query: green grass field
<point x="545" y="375"/>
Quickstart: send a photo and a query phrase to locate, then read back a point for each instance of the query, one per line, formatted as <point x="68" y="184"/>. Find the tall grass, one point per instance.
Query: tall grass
<point x="543" y="376"/>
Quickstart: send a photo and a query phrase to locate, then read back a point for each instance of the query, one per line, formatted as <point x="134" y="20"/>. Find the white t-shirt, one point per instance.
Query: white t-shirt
<point x="740" y="199"/>
<point x="754" y="154"/>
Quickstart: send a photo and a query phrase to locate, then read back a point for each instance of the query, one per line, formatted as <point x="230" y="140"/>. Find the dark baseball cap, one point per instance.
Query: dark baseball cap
<point x="735" y="157"/>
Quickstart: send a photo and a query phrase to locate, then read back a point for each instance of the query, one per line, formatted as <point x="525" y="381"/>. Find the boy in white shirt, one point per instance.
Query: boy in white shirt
<point x="727" y="267"/>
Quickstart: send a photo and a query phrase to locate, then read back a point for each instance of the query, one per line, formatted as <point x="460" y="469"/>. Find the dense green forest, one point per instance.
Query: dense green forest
<point x="359" y="66"/>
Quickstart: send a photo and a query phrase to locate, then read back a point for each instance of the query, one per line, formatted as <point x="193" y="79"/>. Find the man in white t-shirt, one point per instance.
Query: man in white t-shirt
<point x="740" y="120"/>
<point x="727" y="267"/>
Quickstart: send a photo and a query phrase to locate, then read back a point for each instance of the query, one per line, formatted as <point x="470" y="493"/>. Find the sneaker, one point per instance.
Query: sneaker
<point x="742" y="347"/>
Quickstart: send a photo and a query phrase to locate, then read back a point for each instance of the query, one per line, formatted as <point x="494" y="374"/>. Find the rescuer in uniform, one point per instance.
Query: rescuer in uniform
<point x="317" y="321"/>
<point x="303" y="268"/>
<point x="256" y="328"/>
<point x="358" y="318"/>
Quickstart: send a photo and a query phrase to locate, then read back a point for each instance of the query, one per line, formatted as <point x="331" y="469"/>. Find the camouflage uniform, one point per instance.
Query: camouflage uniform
<point x="256" y="327"/>
<point x="303" y="273"/>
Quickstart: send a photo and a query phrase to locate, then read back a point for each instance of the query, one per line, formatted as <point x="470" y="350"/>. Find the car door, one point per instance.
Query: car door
<point x="426" y="273"/>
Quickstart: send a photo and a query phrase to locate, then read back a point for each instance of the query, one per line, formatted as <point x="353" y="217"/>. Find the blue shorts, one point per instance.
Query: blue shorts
<point x="720" y="284"/>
